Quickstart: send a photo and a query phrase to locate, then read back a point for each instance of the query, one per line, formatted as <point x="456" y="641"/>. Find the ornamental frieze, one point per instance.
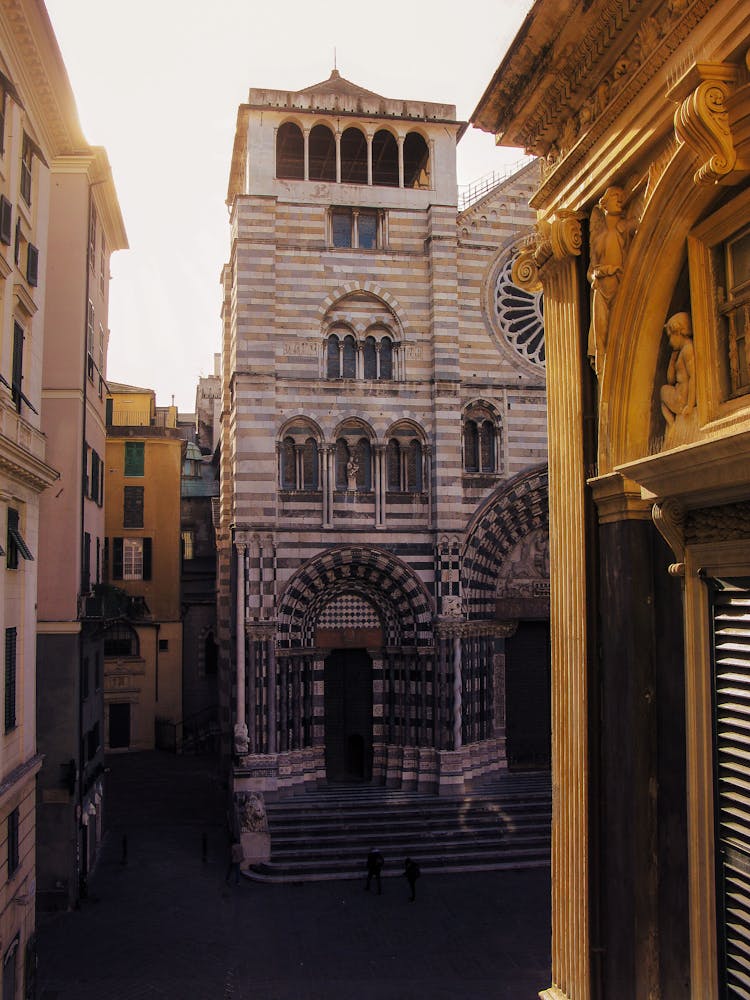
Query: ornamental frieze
<point x="718" y="524"/>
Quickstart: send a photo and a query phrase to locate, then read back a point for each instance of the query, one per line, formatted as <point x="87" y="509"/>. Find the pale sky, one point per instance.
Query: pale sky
<point x="158" y="83"/>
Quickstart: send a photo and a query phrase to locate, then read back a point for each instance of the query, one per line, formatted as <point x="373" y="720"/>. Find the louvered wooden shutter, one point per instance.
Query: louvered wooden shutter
<point x="731" y="638"/>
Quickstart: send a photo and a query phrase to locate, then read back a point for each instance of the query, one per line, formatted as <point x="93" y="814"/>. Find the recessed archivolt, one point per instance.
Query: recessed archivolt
<point x="375" y="575"/>
<point x="334" y="298"/>
<point x="513" y="511"/>
<point x="635" y="336"/>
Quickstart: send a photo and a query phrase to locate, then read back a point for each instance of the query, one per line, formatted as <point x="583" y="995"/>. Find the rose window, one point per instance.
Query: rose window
<point x="520" y="316"/>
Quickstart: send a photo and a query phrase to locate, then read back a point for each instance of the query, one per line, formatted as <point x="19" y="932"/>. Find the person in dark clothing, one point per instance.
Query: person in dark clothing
<point x="375" y="864"/>
<point x="236" y="856"/>
<point x="411" y="874"/>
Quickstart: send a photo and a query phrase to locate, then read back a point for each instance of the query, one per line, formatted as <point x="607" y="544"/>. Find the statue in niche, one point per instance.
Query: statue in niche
<point x="611" y="233"/>
<point x="678" y="395"/>
<point x="352" y="469"/>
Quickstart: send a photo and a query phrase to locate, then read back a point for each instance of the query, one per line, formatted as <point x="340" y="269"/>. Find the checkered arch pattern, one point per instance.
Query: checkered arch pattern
<point x="508" y="515"/>
<point x="375" y="576"/>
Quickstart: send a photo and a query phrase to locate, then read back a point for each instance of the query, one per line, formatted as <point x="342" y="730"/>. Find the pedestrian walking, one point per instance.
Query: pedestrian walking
<point x="411" y="874"/>
<point x="235" y="859"/>
<point x="375" y="862"/>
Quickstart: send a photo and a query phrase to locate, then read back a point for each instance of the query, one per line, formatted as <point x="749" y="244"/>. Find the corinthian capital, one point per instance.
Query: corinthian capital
<point x="701" y="120"/>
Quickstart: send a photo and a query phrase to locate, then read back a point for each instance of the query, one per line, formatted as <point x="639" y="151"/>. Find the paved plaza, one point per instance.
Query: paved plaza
<point x="160" y="921"/>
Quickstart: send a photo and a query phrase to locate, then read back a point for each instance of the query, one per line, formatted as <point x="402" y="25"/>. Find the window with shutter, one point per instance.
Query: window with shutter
<point x="134" y="458"/>
<point x="132" y="507"/>
<point x="27" y="157"/>
<point x="6" y="221"/>
<point x="11" y="641"/>
<point x="32" y="264"/>
<point x="730" y="612"/>
<point x="16" y="377"/>
<point x="13" y="858"/>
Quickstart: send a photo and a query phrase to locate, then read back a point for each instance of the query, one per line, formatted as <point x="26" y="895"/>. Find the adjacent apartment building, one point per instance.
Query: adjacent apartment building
<point x="383" y="573"/>
<point x="142" y="559"/>
<point x="46" y="170"/>
<point x="86" y="227"/>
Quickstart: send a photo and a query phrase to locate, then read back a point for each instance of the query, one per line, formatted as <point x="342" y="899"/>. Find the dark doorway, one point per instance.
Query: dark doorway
<point x="348" y="715"/>
<point x="119" y="725"/>
<point x="527" y="689"/>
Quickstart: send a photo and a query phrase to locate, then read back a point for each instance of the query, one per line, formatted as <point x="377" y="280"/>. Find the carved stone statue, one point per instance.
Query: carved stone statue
<point x="241" y="744"/>
<point x="252" y="813"/>
<point x="678" y="395"/>
<point x="611" y="234"/>
<point x="352" y="468"/>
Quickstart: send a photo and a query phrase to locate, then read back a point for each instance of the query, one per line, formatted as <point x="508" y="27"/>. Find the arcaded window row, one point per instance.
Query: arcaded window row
<point x="352" y="157"/>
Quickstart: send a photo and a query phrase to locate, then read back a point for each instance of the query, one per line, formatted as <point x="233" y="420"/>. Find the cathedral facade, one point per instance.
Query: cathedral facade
<point x="382" y="525"/>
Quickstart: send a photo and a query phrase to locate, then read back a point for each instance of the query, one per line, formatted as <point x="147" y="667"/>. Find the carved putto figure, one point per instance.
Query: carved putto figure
<point x="678" y="395"/>
<point x="611" y="233"/>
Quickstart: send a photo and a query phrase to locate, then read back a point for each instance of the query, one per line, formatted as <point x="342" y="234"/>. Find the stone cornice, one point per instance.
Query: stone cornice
<point x="619" y="499"/>
<point x="43" y="83"/>
<point x="24" y="467"/>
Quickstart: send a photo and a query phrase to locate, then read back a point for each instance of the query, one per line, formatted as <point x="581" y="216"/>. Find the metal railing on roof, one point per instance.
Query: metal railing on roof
<point x="468" y="194"/>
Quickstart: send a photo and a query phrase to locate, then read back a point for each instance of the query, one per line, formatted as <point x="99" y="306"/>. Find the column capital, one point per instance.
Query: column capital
<point x="554" y="241"/>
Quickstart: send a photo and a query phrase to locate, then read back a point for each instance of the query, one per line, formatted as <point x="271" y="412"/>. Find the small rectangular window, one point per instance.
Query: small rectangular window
<point x="134" y="458"/>
<point x="356" y="228"/>
<point x="13" y="857"/>
<point x="132" y="513"/>
<point x="163" y="645"/>
<point x="11" y="644"/>
<point x="102" y="268"/>
<point x="6" y="221"/>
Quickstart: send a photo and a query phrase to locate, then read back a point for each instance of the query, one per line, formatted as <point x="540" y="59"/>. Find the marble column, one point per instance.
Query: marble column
<point x="552" y="261"/>
<point x="240" y="726"/>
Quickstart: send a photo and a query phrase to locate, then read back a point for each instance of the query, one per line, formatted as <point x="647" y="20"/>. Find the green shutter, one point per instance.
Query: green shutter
<point x="134" y="458"/>
<point x="117" y="559"/>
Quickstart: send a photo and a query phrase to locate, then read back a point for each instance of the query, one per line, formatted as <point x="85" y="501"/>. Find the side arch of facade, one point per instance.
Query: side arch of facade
<point x="380" y="578"/>
<point x="514" y="510"/>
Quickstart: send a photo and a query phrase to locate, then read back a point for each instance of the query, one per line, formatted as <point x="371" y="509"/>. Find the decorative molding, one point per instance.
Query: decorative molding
<point x="701" y="120"/>
<point x="718" y="524"/>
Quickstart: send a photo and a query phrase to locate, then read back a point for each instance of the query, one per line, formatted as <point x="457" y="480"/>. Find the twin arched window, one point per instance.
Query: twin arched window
<point x="299" y="464"/>
<point x="387" y="161"/>
<point x="480" y="441"/>
<point x="377" y="357"/>
<point x="404" y="466"/>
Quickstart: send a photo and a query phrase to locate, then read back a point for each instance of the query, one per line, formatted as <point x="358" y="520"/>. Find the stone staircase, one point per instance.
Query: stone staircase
<point x="326" y="834"/>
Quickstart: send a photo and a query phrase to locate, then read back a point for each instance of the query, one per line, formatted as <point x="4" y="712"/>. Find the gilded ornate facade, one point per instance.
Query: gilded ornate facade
<point x="383" y="452"/>
<point x="639" y="113"/>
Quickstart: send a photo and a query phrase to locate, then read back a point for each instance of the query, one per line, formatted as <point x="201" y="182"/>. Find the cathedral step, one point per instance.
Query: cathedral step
<point x="326" y="834"/>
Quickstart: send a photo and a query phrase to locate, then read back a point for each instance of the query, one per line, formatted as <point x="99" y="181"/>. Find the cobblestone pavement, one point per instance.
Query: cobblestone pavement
<point x="165" y="926"/>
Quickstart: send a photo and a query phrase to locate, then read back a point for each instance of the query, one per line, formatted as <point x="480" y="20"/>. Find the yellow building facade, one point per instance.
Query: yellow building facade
<point x="143" y="642"/>
<point x="640" y="113"/>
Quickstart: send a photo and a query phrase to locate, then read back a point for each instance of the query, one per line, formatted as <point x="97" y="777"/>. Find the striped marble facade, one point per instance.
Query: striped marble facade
<point x="383" y="448"/>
